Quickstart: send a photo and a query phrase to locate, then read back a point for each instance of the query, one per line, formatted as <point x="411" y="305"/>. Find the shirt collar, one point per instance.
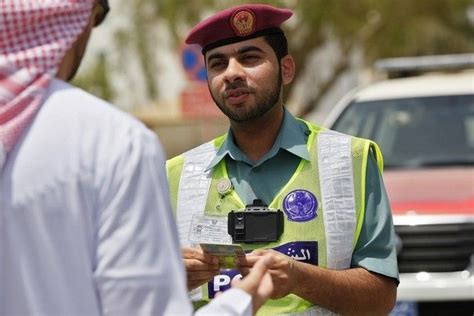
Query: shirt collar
<point x="228" y="148"/>
<point x="292" y="137"/>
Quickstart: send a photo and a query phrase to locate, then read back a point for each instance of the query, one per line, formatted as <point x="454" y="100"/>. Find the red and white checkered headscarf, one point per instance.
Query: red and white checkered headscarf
<point x="34" y="37"/>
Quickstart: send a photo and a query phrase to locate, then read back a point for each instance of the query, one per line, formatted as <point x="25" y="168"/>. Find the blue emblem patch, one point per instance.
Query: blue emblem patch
<point x="300" y="206"/>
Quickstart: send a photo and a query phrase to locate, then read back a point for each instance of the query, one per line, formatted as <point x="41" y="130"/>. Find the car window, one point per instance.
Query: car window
<point x="415" y="132"/>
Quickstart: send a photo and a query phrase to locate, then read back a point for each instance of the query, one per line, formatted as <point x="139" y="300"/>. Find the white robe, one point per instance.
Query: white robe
<point x="85" y="222"/>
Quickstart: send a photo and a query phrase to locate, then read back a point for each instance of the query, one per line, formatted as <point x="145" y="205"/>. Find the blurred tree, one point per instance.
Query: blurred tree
<point x="387" y="29"/>
<point x="97" y="81"/>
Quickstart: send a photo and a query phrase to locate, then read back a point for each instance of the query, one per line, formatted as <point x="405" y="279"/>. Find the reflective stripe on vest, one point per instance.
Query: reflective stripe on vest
<point x="337" y="193"/>
<point x="194" y="186"/>
<point x="193" y="189"/>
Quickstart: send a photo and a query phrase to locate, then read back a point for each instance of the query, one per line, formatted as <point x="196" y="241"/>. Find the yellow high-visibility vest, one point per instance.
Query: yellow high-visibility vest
<point x="323" y="202"/>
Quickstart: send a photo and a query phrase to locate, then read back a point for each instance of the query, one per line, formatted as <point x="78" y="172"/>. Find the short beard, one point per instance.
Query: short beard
<point x="263" y="106"/>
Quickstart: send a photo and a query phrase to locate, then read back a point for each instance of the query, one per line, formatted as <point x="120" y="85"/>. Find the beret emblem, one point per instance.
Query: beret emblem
<point x="243" y="22"/>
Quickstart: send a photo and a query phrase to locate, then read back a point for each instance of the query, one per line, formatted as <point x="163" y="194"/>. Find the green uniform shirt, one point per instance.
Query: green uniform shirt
<point x="375" y="250"/>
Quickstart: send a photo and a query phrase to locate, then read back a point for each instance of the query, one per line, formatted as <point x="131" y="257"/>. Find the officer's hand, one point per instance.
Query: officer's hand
<point x="201" y="267"/>
<point x="281" y="269"/>
<point x="258" y="282"/>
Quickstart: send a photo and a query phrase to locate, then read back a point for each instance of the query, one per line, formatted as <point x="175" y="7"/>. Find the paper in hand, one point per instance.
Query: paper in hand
<point x="227" y="253"/>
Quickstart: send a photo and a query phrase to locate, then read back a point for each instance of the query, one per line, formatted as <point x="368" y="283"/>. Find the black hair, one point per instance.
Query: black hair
<point x="278" y="43"/>
<point x="105" y="10"/>
<point x="105" y="5"/>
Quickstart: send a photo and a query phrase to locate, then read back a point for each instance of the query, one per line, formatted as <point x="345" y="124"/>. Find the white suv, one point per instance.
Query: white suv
<point x="425" y="128"/>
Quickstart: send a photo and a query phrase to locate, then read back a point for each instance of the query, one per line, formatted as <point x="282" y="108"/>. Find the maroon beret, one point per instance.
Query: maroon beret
<point x="237" y="24"/>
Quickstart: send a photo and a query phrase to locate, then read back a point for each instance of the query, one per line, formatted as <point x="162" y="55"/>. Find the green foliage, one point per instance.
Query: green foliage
<point x="96" y="81"/>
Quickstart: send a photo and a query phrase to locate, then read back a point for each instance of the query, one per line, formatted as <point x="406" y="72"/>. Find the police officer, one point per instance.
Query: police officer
<point x="336" y="252"/>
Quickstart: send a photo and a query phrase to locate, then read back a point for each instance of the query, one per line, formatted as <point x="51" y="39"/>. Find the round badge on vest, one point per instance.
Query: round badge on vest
<point x="224" y="186"/>
<point x="300" y="206"/>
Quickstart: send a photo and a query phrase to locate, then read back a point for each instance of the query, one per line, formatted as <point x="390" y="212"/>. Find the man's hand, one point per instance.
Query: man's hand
<point x="257" y="282"/>
<point x="200" y="266"/>
<point x="353" y="291"/>
<point x="281" y="269"/>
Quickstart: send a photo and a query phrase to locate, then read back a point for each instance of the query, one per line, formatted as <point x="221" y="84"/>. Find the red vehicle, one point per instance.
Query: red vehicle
<point x="425" y="128"/>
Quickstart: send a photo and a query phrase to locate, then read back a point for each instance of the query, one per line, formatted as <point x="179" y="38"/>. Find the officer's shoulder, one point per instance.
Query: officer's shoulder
<point x="191" y="152"/>
<point x="174" y="162"/>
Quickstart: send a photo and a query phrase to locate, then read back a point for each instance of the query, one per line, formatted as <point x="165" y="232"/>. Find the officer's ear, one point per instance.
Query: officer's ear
<point x="287" y="69"/>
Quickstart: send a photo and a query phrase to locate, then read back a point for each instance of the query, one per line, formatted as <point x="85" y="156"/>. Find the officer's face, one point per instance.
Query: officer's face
<point x="244" y="79"/>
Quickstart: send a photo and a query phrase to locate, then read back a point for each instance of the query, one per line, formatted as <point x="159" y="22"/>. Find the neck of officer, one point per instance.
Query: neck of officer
<point x="257" y="136"/>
